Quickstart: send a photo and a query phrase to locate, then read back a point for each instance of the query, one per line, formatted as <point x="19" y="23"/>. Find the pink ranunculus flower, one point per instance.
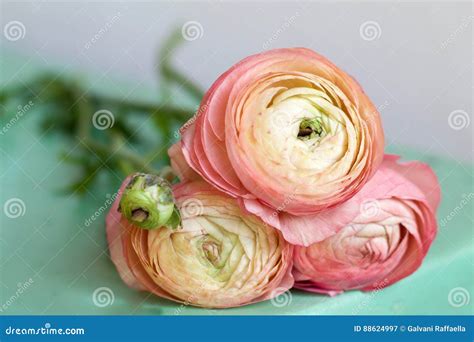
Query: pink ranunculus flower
<point x="287" y="129"/>
<point x="215" y="255"/>
<point x="383" y="232"/>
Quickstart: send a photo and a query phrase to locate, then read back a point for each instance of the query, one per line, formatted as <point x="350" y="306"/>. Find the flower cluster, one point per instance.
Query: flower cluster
<point x="283" y="183"/>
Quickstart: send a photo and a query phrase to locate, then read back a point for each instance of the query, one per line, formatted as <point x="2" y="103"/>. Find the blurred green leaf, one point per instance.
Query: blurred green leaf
<point x="67" y="108"/>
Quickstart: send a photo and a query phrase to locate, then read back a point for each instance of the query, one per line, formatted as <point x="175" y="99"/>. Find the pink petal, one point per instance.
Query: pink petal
<point x="412" y="183"/>
<point x="179" y="164"/>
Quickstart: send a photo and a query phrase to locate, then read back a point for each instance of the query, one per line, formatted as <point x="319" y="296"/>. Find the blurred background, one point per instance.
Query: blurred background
<point x="147" y="64"/>
<point x="413" y="59"/>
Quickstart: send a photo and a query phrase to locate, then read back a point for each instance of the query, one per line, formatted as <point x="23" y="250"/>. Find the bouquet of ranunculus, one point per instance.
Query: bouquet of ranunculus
<point x="282" y="182"/>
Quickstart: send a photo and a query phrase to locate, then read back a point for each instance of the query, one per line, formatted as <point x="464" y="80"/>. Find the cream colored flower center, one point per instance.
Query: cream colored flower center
<point x="211" y="250"/>
<point x="373" y="243"/>
<point x="215" y="257"/>
<point x="304" y="130"/>
<point x="300" y="131"/>
<point x="375" y="236"/>
<point x="312" y="128"/>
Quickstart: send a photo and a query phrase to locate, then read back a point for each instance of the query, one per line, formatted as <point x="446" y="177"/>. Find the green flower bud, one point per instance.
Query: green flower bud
<point x="147" y="202"/>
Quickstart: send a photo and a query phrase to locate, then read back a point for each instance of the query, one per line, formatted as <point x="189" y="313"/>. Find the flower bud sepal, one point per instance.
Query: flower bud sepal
<point x="147" y="202"/>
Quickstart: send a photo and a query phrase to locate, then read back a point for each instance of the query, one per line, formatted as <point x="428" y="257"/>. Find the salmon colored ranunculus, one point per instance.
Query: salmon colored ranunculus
<point x="286" y="128"/>
<point x="215" y="255"/>
<point x="383" y="233"/>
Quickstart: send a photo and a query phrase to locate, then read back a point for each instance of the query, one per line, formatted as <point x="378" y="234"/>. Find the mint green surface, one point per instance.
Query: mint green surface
<point x="67" y="259"/>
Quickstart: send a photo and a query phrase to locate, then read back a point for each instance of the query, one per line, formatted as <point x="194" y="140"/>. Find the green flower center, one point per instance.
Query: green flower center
<point x="311" y="128"/>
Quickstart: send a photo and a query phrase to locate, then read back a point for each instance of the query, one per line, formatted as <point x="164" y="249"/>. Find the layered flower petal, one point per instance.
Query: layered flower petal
<point x="219" y="256"/>
<point x="283" y="123"/>
<point x="383" y="233"/>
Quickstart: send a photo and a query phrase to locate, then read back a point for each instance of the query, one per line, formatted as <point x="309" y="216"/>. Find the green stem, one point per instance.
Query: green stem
<point x="85" y="114"/>
<point x="169" y="74"/>
<point x="183" y="81"/>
